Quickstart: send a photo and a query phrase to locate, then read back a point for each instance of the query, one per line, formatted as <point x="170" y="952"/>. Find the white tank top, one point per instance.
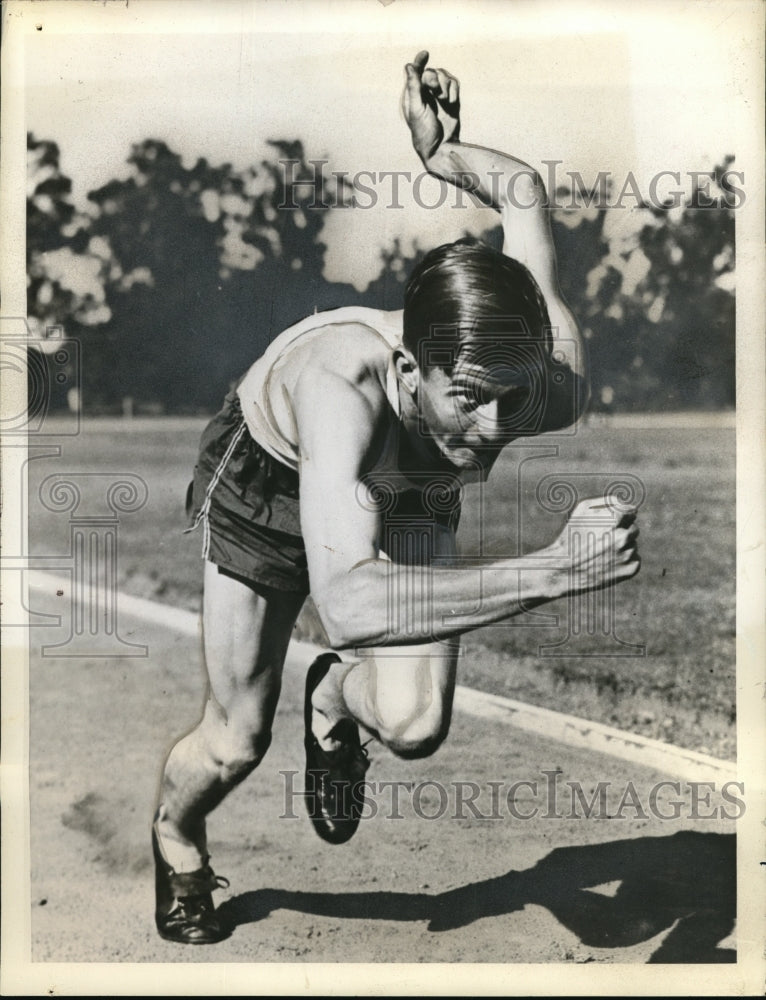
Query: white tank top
<point x="267" y="411"/>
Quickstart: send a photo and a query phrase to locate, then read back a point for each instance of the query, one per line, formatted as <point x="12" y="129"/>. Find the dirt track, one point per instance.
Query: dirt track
<point x="458" y="888"/>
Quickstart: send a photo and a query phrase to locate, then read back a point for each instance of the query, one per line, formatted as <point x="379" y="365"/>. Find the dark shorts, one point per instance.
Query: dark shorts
<point x="248" y="505"/>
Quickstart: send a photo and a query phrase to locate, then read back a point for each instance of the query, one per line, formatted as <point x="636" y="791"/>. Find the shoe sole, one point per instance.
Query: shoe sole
<point x="344" y="829"/>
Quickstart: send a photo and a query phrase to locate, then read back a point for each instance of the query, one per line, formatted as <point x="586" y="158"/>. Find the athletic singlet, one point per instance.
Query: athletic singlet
<point x="267" y="411"/>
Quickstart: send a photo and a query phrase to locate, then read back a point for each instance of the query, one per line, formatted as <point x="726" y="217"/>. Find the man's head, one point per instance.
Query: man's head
<point x="476" y="336"/>
<point x="466" y="290"/>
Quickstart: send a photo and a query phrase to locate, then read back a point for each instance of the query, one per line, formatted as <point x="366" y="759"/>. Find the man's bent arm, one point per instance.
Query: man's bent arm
<point x="365" y="600"/>
<point x="378" y="603"/>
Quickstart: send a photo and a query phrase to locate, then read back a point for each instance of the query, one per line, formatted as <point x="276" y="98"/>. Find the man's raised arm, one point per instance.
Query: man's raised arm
<point x="431" y="104"/>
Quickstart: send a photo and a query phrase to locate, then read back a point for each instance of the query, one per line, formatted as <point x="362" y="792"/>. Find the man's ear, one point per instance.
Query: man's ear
<point x="407" y="370"/>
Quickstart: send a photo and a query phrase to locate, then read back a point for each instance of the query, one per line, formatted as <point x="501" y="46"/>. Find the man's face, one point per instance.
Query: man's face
<point x="470" y="415"/>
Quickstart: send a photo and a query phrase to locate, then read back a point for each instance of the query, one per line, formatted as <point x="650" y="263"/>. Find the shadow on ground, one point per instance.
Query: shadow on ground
<point x="687" y="880"/>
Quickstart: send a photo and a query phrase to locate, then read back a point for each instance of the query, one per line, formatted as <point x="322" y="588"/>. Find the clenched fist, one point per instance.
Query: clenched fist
<point x="598" y="546"/>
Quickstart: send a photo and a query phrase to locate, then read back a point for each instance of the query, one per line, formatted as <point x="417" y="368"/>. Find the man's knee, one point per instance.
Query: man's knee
<point x="413" y="728"/>
<point x="238" y="744"/>
<point x="416" y="741"/>
<point x="240" y="755"/>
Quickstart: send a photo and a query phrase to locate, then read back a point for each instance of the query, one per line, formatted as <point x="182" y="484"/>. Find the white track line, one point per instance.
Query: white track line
<point x="577" y="732"/>
<point x="567" y="729"/>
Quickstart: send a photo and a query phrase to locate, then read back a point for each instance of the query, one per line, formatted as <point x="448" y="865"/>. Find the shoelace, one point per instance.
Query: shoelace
<point x="357" y="752"/>
<point x="196" y="884"/>
<point x="197" y="901"/>
<point x="346" y="749"/>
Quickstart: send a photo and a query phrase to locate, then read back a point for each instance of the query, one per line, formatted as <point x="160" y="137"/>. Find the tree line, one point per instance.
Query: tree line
<point x="176" y="278"/>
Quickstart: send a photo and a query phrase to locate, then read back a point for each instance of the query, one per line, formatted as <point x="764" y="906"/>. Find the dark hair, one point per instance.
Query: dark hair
<point x="464" y="290"/>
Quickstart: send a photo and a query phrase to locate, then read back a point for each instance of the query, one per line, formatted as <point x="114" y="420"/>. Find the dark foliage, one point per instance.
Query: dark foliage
<point x="179" y="276"/>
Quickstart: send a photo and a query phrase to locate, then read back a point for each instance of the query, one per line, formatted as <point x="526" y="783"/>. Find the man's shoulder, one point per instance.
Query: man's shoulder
<point x="339" y="367"/>
<point x="341" y="404"/>
<point x="354" y="346"/>
<point x="382" y="323"/>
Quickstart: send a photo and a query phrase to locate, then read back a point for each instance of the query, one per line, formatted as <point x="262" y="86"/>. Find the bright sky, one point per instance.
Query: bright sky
<point x="601" y="87"/>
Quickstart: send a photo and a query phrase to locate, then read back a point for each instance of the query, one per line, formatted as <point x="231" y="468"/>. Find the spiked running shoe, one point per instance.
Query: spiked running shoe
<point x="334" y="778"/>
<point x="184" y="905"/>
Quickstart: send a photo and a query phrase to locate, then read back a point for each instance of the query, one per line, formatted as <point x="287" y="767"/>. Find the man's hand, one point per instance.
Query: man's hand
<point x="431" y="105"/>
<point x="597" y="548"/>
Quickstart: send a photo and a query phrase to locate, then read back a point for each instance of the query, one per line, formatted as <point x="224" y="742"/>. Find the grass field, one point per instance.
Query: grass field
<point x="681" y="606"/>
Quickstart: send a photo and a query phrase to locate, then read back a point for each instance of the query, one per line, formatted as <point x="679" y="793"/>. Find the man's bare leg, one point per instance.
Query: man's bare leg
<point x="246" y="633"/>
<point x="402" y="695"/>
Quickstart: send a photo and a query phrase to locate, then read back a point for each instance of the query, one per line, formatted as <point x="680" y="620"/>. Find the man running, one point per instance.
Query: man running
<point x="336" y="466"/>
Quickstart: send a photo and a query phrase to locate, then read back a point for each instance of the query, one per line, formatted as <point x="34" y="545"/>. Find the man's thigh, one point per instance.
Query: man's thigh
<point x="417" y="682"/>
<point x="413" y="685"/>
<point x="247" y="629"/>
